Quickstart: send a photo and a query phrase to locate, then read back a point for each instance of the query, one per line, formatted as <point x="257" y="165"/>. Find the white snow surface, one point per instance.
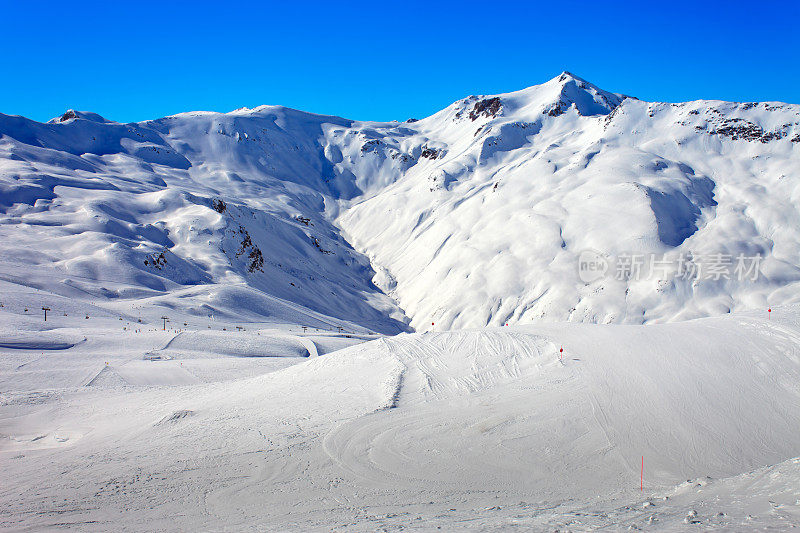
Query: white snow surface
<point x="472" y="217"/>
<point x="232" y="298"/>
<point x="488" y="429"/>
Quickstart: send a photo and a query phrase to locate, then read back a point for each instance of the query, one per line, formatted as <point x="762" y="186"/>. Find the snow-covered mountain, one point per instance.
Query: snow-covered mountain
<point x="477" y="215"/>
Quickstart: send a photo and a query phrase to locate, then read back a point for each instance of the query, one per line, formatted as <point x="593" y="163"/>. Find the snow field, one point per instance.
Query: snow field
<point x="468" y="430"/>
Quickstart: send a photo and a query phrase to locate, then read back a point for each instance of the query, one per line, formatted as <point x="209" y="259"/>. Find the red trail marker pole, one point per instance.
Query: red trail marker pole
<point x="561" y="354"/>
<point x="769" y="314"/>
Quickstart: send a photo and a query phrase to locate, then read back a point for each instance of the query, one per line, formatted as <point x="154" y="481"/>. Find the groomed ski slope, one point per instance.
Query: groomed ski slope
<point x="476" y="430"/>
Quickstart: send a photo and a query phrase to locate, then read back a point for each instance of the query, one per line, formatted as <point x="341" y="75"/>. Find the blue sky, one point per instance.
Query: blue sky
<point x="375" y="60"/>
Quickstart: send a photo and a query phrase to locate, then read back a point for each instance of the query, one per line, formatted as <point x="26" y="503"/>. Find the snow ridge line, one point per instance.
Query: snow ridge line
<point x="170" y="342"/>
<point x="93" y="378"/>
<point x="395" y="382"/>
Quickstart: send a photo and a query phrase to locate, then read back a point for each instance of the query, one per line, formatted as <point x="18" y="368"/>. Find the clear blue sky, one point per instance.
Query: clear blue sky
<point x="135" y="60"/>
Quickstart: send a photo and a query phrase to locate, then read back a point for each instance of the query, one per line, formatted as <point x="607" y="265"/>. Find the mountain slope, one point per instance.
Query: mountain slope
<point x="491" y="231"/>
<point x="475" y="216"/>
<point x="107" y="211"/>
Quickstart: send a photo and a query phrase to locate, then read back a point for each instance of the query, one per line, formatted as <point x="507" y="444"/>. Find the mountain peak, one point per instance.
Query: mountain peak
<point x="567" y="76"/>
<point x="71" y="114"/>
<point x="556" y="96"/>
<point x="586" y="97"/>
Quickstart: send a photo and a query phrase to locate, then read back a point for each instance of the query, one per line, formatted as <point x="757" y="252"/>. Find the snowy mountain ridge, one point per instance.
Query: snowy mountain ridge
<point x="474" y="216"/>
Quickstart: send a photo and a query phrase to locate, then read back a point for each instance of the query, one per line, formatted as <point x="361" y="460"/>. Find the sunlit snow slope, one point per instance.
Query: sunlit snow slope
<point x="489" y="231"/>
<point x="474" y="216"/>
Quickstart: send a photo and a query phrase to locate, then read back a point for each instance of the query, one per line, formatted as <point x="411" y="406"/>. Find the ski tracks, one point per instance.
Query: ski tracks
<point x="439" y="374"/>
